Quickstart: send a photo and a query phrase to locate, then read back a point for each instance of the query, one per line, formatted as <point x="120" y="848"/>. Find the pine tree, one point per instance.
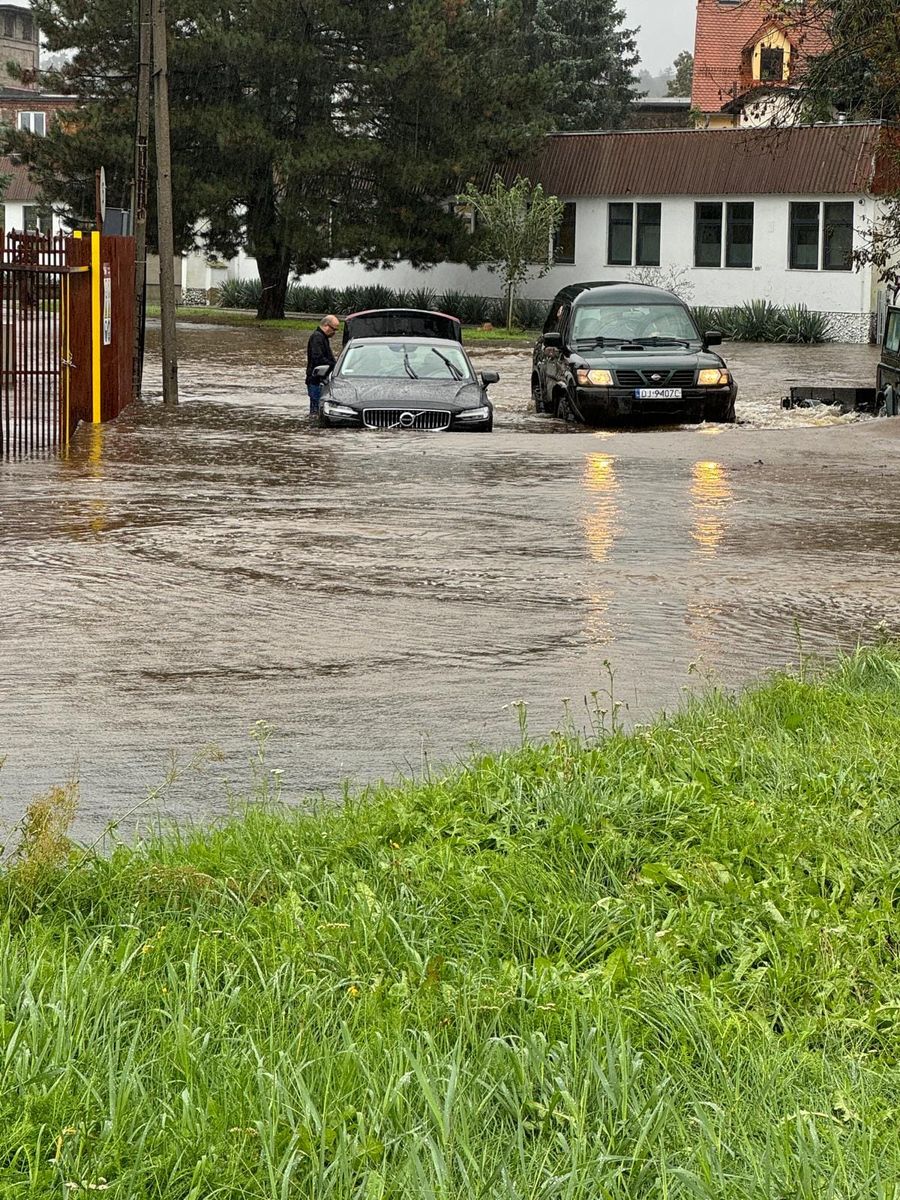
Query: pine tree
<point x="300" y="131"/>
<point x="591" y="60"/>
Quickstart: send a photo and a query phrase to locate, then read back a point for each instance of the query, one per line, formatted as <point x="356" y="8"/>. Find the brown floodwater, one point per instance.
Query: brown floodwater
<point x="383" y="602"/>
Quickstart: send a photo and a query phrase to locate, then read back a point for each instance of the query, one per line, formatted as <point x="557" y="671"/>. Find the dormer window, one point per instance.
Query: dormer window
<point x="771" y="64"/>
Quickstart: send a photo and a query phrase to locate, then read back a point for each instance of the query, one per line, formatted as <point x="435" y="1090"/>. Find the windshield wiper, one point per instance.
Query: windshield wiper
<point x="454" y="369"/>
<point x="668" y="341"/>
<point x="407" y="368"/>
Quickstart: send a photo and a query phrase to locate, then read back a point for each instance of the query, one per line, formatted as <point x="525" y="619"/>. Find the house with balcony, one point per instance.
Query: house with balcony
<point x="747" y="63"/>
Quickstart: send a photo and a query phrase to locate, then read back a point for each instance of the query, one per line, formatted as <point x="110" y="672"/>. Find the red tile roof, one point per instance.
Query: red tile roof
<point x="723" y="32"/>
<point x="808" y="160"/>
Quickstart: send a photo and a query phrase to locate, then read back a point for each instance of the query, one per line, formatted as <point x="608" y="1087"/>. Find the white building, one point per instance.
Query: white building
<point x="736" y="215"/>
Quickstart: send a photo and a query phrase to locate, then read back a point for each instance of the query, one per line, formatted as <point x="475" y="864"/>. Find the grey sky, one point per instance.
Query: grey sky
<point x="667" y="28"/>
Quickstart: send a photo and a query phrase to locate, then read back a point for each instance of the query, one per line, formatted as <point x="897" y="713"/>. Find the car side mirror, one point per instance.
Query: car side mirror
<point x="553" y="341"/>
<point x="489" y="377"/>
<point x="321" y="373"/>
<point x="712" y="337"/>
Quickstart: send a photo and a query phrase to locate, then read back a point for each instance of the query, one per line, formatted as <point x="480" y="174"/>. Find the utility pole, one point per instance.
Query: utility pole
<point x="139" y="199"/>
<point x="164" y="216"/>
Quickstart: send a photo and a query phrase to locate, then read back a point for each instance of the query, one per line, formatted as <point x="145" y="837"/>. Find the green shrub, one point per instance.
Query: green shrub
<point x="705" y="317"/>
<point x="423" y="298"/>
<point x="796" y="324"/>
<point x="240" y="293"/>
<point x="530" y="314"/>
<point x="376" y="295"/>
<point x="452" y="302"/>
<point x="474" y="310"/>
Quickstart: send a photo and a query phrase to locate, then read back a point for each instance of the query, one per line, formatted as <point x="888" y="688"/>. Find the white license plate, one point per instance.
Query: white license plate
<point x="658" y="393"/>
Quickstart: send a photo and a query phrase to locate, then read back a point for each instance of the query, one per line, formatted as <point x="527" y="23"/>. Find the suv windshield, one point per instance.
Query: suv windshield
<point x="405" y="360"/>
<point x="633" y="323"/>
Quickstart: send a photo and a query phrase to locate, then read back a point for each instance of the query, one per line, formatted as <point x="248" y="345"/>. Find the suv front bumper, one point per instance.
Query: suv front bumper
<point x="598" y="403"/>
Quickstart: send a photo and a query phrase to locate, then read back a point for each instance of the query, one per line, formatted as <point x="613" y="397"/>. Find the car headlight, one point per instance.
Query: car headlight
<point x="330" y="409"/>
<point x="713" y="377"/>
<point x="474" y="414"/>
<point x="595" y="377"/>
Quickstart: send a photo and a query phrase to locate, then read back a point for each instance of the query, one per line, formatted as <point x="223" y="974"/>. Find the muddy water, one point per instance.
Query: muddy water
<point x="383" y="601"/>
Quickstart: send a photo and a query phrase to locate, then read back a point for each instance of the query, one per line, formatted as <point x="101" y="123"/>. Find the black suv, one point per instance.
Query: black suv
<point x="616" y="350"/>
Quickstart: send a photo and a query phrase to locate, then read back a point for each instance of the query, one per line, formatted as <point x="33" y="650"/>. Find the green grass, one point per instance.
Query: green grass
<point x="659" y="966"/>
<point x="233" y="317"/>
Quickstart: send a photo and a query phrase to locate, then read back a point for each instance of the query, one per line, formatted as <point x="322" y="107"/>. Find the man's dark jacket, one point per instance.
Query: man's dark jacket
<point x="318" y="354"/>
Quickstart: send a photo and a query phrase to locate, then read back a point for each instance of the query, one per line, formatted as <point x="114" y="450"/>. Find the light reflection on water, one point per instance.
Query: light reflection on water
<point x="601" y="521"/>
<point x="711" y="497"/>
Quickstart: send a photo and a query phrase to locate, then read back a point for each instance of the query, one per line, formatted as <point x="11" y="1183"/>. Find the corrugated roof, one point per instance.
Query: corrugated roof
<point x="723" y="31"/>
<point x="21" y="188"/>
<point x="843" y="160"/>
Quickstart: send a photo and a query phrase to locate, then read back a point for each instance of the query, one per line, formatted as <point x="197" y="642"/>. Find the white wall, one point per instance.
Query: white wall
<point x="15" y="216"/>
<point x="838" y="292"/>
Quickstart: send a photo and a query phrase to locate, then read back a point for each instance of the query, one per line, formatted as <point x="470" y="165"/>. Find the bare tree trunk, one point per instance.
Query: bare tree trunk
<point x="274" y="270"/>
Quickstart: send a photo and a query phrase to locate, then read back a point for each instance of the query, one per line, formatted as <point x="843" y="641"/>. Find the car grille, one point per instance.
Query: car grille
<point x="640" y="379"/>
<point x="405" y="418"/>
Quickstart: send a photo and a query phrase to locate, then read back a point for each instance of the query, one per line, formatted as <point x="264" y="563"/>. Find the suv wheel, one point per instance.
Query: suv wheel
<point x="537" y="395"/>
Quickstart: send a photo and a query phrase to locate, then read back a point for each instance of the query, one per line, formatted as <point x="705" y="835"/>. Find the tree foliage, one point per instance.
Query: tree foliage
<point x="516" y="228"/>
<point x="682" y="81"/>
<point x="858" y="76"/>
<point x="300" y="131"/>
<point x="591" y="59"/>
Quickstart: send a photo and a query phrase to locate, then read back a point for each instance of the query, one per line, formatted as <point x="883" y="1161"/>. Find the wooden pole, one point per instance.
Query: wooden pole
<point x="164" y="216"/>
<point x="139" y="199"/>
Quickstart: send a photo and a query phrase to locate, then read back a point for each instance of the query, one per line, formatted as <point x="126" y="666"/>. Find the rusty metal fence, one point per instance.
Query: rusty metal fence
<point x="66" y="336"/>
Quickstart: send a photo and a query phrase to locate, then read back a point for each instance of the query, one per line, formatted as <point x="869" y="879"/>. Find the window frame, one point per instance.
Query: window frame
<point x="782" y="57"/>
<point x="29" y="127"/>
<point x="629" y="224"/>
<point x="729" y="242"/>
<point x="639" y="221"/>
<point x="822" y="238"/>
<point x="708" y="220"/>
<point x="569" y="206"/>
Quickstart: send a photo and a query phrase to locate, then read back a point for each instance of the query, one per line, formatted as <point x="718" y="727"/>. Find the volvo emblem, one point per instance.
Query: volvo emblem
<point x="407" y="420"/>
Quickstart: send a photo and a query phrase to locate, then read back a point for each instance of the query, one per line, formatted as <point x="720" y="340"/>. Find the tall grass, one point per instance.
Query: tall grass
<point x="661" y="965"/>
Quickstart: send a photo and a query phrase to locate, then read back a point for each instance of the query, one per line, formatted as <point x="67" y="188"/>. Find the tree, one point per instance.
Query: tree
<point x="858" y="75"/>
<point x="517" y="225"/>
<point x="682" y="81"/>
<point x="591" y="60"/>
<point x="301" y="131"/>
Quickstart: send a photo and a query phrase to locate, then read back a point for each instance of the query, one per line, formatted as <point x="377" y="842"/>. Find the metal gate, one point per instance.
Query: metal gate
<point x="66" y="336"/>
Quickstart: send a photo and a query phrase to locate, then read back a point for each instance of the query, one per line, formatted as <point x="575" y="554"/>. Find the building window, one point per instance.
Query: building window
<point x="33" y="122"/>
<point x="27" y="29"/>
<point x="564" y="239"/>
<point x="35" y="220"/>
<point x="771" y="63"/>
<point x="634" y="235"/>
<point x="649" y="223"/>
<point x="821" y="236"/>
<point x="837" y="248"/>
<point x="707" y="235"/>
<point x="738" y="234"/>
<point x="9" y="25"/>
<point x="621" y="235"/>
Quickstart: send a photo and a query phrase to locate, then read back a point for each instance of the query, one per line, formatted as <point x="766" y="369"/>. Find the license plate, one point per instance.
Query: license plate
<point x="658" y="393"/>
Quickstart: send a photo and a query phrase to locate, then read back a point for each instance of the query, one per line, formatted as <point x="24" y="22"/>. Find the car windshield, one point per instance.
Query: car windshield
<point x="405" y="360"/>
<point x="633" y="323"/>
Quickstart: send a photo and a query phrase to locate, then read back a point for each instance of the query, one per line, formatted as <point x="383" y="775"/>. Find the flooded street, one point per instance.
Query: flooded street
<point x="383" y="601"/>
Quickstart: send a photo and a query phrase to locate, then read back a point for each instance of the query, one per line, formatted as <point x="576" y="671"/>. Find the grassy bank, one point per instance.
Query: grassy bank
<point x="234" y="317"/>
<point x="662" y="965"/>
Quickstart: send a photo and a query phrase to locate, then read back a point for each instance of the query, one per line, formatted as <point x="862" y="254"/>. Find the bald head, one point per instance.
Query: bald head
<point x="330" y="325"/>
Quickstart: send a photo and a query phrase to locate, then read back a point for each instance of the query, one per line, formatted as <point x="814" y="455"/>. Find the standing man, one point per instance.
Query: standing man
<point x="319" y="354"/>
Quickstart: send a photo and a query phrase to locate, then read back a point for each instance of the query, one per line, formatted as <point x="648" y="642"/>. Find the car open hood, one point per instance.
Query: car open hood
<point x="402" y="322"/>
<point x="408" y="394"/>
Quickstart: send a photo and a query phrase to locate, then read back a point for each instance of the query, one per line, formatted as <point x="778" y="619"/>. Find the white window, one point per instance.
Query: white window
<point x="33" y="122"/>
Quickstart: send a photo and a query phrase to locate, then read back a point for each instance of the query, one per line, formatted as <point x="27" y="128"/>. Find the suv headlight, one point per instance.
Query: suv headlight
<point x="474" y="414"/>
<point x="597" y="378"/>
<point x="713" y="377"/>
